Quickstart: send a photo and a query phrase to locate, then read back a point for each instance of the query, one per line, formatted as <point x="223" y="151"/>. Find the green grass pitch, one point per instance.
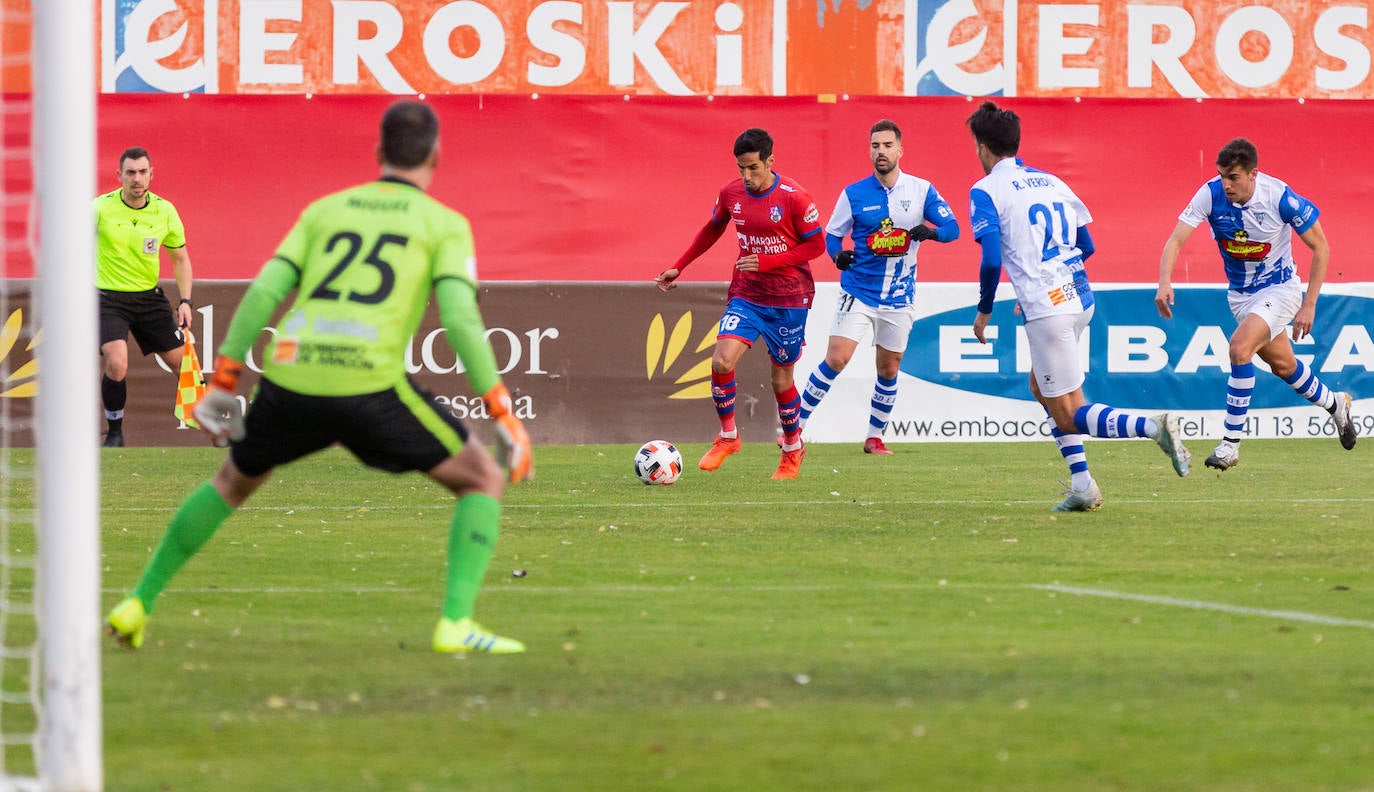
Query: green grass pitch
<point x="915" y="622"/>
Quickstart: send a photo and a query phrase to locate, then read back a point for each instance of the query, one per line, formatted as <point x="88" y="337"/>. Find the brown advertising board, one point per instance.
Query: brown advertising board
<point x="586" y="363"/>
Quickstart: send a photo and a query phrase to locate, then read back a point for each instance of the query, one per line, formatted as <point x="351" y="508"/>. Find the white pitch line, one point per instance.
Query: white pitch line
<point x="716" y="505"/>
<point x="523" y="588"/>
<point x="1240" y="610"/>
<point x="669" y="588"/>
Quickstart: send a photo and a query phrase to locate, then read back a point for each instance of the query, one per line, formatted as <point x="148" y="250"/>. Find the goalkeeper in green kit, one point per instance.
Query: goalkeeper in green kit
<point x="362" y="263"/>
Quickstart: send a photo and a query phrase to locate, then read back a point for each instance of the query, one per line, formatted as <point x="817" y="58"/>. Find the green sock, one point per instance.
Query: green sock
<point x="191" y="527"/>
<point x="471" y="540"/>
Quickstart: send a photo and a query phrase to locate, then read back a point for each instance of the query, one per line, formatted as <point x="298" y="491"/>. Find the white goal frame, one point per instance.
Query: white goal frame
<point x="68" y="751"/>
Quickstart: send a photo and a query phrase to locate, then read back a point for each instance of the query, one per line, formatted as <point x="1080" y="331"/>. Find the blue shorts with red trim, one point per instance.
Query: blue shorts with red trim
<point x="782" y="329"/>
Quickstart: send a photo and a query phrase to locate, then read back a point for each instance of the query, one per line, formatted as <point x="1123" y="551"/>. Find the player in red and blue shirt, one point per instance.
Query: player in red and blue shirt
<point x="779" y="231"/>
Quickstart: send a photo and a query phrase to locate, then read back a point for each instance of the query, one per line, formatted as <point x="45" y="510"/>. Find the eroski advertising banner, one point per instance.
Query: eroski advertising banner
<point x="1111" y="48"/>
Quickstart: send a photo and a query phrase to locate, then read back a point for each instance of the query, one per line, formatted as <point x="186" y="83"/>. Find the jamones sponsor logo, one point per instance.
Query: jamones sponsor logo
<point x="1132" y="357"/>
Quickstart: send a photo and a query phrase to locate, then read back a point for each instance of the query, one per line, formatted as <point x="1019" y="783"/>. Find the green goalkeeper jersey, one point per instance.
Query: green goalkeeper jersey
<point x="364" y="261"/>
<point x="127" y="241"/>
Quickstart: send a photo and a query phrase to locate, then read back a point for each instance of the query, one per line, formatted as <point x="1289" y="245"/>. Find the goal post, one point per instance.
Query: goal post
<point x="68" y="752"/>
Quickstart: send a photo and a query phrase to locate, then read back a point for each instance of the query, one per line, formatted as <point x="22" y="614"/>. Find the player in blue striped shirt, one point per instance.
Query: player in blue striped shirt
<point x="885" y="214"/>
<point x="1253" y="216"/>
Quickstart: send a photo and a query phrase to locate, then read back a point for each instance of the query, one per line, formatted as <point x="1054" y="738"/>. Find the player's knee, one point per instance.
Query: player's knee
<point x="474" y="469"/>
<point x="1283" y="367"/>
<point x="116" y="370"/>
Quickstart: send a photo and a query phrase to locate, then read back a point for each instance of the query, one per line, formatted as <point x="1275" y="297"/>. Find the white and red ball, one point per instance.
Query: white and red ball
<point x="658" y="462"/>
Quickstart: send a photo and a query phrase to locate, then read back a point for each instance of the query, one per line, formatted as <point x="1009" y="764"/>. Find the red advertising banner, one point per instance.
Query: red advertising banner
<point x="587" y="188"/>
<point x="1110" y="48"/>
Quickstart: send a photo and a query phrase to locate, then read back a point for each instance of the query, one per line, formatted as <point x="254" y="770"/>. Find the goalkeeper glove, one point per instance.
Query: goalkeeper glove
<point x="512" y="441"/>
<point x="844" y="259"/>
<point x="219" y="411"/>
<point x="921" y="232"/>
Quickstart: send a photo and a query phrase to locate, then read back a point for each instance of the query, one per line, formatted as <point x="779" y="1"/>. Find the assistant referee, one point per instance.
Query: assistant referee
<point x="131" y="225"/>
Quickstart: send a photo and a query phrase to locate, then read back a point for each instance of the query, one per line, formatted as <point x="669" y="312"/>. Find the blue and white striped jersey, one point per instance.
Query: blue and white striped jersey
<point x="1037" y="217"/>
<point x="878" y="220"/>
<point x="1254" y="239"/>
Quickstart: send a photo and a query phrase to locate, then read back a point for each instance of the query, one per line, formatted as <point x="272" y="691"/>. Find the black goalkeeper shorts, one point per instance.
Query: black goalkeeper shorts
<point x="147" y="314"/>
<point x="395" y="430"/>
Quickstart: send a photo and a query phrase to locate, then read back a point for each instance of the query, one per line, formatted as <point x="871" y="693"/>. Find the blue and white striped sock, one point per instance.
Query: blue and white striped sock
<point x="1071" y="448"/>
<point x="1100" y="420"/>
<point x="816" y="387"/>
<point x="1309" y="386"/>
<point x="880" y="408"/>
<point x="1239" y="387"/>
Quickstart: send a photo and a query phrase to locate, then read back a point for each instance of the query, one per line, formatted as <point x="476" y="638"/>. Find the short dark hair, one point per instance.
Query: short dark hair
<point x="998" y="129"/>
<point x="886" y="126"/>
<point x="755" y="140"/>
<point x="134" y="152"/>
<point x="1238" y="152"/>
<point x="410" y="131"/>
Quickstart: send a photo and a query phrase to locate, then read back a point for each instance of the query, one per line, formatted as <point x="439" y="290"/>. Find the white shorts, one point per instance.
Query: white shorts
<point x="891" y="326"/>
<point x="1276" y="305"/>
<point x="1056" y="359"/>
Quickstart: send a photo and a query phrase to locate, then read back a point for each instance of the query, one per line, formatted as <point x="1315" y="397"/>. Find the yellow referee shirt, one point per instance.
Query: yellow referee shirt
<point x="127" y="241"/>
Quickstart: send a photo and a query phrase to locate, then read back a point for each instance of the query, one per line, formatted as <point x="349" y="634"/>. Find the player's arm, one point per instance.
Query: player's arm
<point x="810" y="247"/>
<point x="267" y="291"/>
<point x="458" y="312"/>
<point x="219" y="411"/>
<point x="1086" y="246"/>
<point x="834" y="247"/>
<point x="181" y="270"/>
<point x="1315" y="238"/>
<point x="705" y="237"/>
<point x="989" y="274"/>
<point x="1173" y="246"/>
<point x="174" y="242"/>
<point x="938" y="213"/>
<point x="987" y="233"/>
<point x="841" y="223"/>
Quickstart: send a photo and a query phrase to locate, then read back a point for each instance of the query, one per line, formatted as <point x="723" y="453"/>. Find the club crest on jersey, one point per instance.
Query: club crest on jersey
<point x="1239" y="246"/>
<point x="889" y="241"/>
<point x="775" y="213"/>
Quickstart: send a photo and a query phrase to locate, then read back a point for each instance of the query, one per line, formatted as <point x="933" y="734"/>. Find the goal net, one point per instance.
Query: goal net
<point x="50" y="723"/>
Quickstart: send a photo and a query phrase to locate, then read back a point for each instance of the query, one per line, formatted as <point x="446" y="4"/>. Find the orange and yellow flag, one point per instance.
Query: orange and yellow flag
<point x="190" y="382"/>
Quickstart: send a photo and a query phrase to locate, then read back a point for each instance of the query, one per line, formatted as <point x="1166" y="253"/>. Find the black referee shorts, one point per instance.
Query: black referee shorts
<point x="146" y="313"/>
<point x="394" y="430"/>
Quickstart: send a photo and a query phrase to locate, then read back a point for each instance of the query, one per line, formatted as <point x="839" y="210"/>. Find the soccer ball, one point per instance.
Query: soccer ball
<point x="658" y="462"/>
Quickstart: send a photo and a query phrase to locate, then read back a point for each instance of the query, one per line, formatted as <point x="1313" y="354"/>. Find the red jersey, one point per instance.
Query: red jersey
<point x="769" y="224"/>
